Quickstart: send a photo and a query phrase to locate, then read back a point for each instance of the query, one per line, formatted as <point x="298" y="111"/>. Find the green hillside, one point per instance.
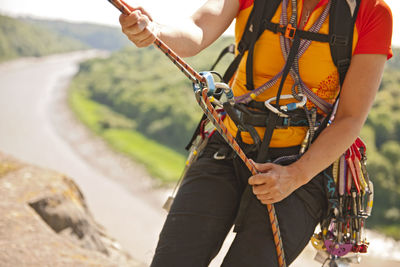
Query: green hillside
<point x="118" y="99"/>
<point x="145" y="87"/>
<point x="382" y="133"/>
<point x="144" y="93"/>
<point x="20" y="39"/>
<point x="93" y="35"/>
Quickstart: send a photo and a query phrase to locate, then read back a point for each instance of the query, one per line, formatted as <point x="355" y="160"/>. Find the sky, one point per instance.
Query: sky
<point x="100" y="11"/>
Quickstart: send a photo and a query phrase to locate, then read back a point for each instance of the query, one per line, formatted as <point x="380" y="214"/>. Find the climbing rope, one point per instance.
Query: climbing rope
<point x="204" y="87"/>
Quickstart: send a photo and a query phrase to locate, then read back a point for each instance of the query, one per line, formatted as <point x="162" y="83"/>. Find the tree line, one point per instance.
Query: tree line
<point x="27" y="37"/>
<point x="20" y="39"/>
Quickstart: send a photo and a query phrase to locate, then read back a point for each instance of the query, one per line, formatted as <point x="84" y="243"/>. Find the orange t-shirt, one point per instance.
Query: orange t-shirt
<point x="372" y="35"/>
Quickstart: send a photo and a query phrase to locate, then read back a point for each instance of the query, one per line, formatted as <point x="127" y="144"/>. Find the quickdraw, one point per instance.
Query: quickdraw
<point x="344" y="230"/>
<point x="203" y="86"/>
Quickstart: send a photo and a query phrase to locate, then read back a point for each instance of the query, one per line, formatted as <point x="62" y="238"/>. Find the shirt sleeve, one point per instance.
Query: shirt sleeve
<point x="243" y="4"/>
<point x="374" y="26"/>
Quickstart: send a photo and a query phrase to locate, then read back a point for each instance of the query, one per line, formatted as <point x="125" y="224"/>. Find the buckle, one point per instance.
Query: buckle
<point x="285" y="123"/>
<point x="290" y="31"/>
<point x="339" y="40"/>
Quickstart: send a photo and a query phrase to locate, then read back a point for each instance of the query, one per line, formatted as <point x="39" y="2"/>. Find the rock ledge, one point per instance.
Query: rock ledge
<point x="45" y="222"/>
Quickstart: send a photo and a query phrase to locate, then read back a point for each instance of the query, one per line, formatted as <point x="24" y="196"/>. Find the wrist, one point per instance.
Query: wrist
<point x="298" y="173"/>
<point x="155" y="28"/>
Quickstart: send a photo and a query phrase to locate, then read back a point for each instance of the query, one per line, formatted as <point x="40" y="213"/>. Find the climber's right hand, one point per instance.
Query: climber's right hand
<point x="139" y="27"/>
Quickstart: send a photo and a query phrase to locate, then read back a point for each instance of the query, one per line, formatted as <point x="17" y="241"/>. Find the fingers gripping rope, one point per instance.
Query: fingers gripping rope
<point x="182" y="65"/>
<point x="201" y="83"/>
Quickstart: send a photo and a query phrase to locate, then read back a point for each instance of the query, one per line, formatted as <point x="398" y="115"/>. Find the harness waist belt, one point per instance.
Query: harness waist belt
<point x="260" y="119"/>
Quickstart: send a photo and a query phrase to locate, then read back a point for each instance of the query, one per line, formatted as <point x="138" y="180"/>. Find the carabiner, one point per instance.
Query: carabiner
<point x="227" y="91"/>
<point x="288" y="107"/>
<point x="296" y="105"/>
<point x="360" y="144"/>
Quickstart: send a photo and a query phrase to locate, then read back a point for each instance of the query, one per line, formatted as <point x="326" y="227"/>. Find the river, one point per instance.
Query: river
<point x="38" y="127"/>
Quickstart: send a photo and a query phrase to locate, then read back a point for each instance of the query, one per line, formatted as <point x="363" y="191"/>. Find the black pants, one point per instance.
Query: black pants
<point x="204" y="211"/>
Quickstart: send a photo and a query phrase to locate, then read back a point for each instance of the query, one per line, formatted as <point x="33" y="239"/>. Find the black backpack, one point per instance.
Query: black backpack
<point x="342" y="17"/>
<point x="343" y="14"/>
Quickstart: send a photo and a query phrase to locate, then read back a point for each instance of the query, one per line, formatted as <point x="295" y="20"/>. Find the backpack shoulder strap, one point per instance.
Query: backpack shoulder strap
<point x="342" y="17"/>
<point x="261" y="9"/>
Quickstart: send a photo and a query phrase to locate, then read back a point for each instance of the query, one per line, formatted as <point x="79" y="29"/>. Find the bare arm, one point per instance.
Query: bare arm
<point x="358" y="93"/>
<point x="192" y="35"/>
<point x="359" y="90"/>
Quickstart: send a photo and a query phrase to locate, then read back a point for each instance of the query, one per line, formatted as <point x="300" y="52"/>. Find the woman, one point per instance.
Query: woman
<point x="208" y="200"/>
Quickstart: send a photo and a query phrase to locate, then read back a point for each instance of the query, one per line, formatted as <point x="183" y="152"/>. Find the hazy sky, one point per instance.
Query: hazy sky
<point x="100" y="11"/>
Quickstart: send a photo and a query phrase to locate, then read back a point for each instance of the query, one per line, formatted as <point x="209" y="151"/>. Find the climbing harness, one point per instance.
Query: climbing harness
<point x="342" y="231"/>
<point x="349" y="190"/>
<point x="203" y="87"/>
<point x="294" y="43"/>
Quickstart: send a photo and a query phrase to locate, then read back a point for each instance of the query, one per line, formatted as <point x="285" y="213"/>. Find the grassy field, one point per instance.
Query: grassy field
<point x="160" y="161"/>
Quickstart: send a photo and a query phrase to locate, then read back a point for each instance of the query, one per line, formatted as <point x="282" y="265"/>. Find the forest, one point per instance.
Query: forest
<point x="144" y="93"/>
<point x="92" y="35"/>
<point x="20" y="39"/>
<point x="28" y="37"/>
<point x="125" y="83"/>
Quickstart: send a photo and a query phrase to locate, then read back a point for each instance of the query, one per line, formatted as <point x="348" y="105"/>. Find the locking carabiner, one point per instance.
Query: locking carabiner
<point x="288" y="107"/>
